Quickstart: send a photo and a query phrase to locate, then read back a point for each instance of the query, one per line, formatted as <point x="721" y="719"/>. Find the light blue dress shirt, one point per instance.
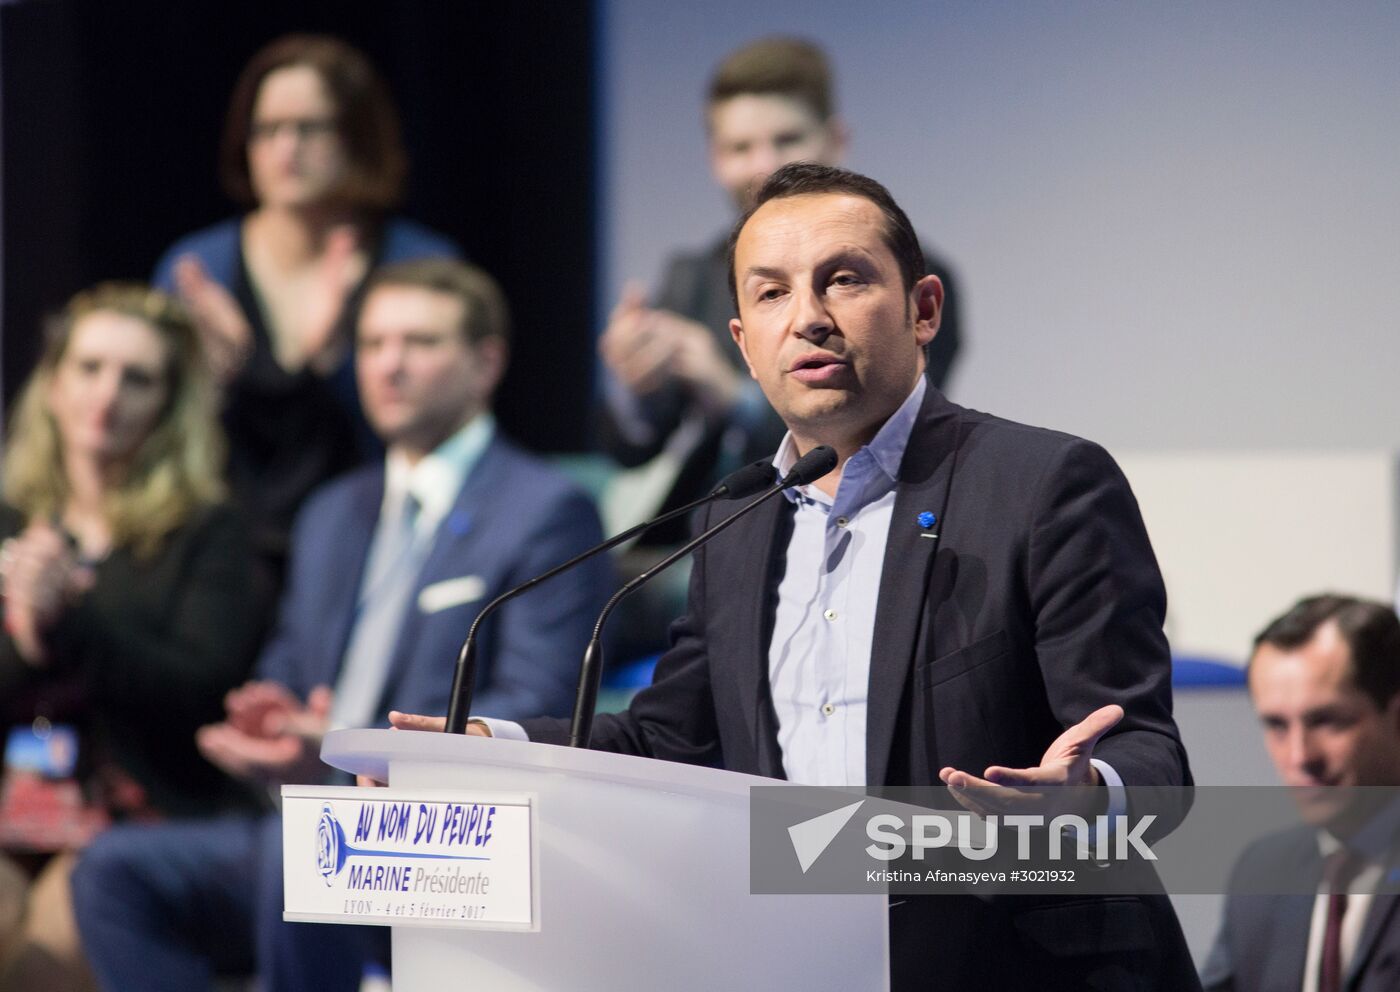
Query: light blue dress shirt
<point x="819" y="657"/>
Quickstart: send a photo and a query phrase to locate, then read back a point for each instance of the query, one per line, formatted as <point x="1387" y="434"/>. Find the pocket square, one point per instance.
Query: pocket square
<point x="451" y="592"/>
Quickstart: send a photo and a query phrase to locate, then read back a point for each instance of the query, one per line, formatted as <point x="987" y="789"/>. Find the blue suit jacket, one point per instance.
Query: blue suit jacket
<point x="218" y="245"/>
<point x="513" y="519"/>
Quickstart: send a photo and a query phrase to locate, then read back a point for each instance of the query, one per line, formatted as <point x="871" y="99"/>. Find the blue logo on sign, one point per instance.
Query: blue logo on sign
<point x="330" y="845"/>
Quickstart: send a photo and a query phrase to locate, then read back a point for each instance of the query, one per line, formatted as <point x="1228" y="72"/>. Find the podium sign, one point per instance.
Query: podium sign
<point x="612" y="871"/>
<point x="404" y="857"/>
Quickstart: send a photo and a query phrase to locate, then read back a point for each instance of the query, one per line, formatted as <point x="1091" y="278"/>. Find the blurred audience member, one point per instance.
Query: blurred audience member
<point x="312" y="146"/>
<point x="390" y="566"/>
<point x="126" y="600"/>
<point x="1325" y="681"/>
<point x="679" y="398"/>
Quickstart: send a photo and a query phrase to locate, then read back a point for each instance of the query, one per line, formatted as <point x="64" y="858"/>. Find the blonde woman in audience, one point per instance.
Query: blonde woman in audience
<point x="128" y="605"/>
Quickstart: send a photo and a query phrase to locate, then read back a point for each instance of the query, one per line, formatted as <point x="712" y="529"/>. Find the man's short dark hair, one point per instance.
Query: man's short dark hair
<point x="1371" y="631"/>
<point x="787" y="67"/>
<point x="484" y="310"/>
<point x="809" y="179"/>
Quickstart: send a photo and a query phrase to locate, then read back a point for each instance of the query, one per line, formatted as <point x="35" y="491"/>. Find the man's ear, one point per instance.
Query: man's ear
<point x="1392" y="713"/>
<point x="492" y="355"/>
<point x="712" y="158"/>
<point x="927" y="300"/>
<point x="838" y="139"/>
<point x="736" y="331"/>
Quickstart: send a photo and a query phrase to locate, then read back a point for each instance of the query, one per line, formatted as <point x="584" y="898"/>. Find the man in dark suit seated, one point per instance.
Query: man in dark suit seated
<point x="1325" y="681"/>
<point x="389" y="567"/>
<point x="963" y="600"/>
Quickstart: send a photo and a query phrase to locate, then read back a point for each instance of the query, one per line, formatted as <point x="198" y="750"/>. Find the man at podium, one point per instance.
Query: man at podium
<point x="963" y="599"/>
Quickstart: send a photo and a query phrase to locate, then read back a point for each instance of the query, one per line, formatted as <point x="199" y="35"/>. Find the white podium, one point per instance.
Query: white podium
<point x="641" y="874"/>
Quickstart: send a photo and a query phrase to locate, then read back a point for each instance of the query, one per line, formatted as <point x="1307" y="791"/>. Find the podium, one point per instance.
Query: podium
<point x="641" y="876"/>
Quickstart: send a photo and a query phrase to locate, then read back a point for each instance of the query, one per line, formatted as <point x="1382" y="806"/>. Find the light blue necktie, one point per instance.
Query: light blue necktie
<point x="391" y="574"/>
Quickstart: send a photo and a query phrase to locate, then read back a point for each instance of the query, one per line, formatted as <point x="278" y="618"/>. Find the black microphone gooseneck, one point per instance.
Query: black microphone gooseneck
<point x="742" y="482"/>
<point x="810" y="467"/>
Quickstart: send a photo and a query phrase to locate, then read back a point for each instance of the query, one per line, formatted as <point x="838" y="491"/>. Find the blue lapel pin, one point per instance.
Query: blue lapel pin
<point x="926" y="520"/>
<point x="459" y="522"/>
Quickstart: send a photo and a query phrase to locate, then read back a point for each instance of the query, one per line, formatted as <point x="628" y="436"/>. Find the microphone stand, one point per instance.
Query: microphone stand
<point x="591" y="674"/>
<point x="464" y="676"/>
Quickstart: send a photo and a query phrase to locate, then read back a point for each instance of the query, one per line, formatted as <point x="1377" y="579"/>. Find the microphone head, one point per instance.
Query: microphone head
<point x="750" y="480"/>
<point x="811" y="466"/>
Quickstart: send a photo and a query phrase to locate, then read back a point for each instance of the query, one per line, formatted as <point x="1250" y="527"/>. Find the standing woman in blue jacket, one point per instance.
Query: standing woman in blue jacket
<point x="312" y="147"/>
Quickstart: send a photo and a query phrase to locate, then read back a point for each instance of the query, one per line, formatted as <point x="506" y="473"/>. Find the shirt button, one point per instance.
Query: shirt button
<point x="841" y="521"/>
<point x="828" y="709"/>
<point x="830" y="614"/>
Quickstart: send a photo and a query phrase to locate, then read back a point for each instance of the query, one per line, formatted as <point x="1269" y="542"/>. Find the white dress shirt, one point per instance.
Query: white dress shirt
<point x="1360" y="890"/>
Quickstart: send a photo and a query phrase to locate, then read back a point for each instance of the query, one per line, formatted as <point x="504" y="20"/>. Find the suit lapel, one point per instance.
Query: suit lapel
<point x="757" y="589"/>
<point x="1383" y="914"/>
<point x="463" y="522"/>
<point x="347" y="561"/>
<point x="924" y="479"/>
<point x="463" y="525"/>
<point x="1286" y="949"/>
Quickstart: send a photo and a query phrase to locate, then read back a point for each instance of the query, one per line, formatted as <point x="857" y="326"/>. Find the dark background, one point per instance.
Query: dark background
<point x="112" y="113"/>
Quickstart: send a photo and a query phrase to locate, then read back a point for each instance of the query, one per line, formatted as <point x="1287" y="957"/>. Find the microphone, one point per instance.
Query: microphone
<point x="809" y="468"/>
<point x="740" y="483"/>
<point x="743" y="482"/>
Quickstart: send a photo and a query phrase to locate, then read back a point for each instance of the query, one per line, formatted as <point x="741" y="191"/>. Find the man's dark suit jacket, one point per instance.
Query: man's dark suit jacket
<point x="1039" y="602"/>
<point x="1263" y="942"/>
<point x="697" y="286"/>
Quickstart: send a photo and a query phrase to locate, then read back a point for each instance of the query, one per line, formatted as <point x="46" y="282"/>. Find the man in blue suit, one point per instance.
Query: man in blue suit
<point x="389" y="566"/>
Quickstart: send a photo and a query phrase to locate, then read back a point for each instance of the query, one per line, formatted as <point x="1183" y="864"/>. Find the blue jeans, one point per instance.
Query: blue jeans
<point x="168" y="906"/>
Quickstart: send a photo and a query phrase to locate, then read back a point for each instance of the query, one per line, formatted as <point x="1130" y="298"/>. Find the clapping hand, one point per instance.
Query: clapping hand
<point x="41" y="577"/>
<point x="269" y="735"/>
